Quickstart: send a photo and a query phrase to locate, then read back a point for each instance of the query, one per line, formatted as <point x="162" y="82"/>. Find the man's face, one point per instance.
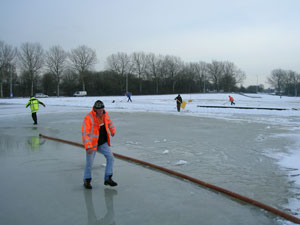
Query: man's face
<point x="99" y="112"/>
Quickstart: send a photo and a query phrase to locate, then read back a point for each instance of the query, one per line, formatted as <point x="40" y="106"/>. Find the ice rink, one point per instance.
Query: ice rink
<point x="42" y="179"/>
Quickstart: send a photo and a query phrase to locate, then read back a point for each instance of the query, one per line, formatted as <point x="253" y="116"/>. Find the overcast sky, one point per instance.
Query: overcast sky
<point x="258" y="36"/>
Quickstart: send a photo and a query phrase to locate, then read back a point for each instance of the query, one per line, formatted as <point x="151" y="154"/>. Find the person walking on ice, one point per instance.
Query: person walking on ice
<point x="96" y="130"/>
<point x="128" y="94"/>
<point x="34" y="106"/>
<point x="178" y="102"/>
<point x="231" y="99"/>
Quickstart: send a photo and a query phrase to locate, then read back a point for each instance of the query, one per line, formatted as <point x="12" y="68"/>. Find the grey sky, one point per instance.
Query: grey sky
<point x="258" y="36"/>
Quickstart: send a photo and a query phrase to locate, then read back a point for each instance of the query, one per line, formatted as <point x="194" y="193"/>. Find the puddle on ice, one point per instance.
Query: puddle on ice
<point x="42" y="179"/>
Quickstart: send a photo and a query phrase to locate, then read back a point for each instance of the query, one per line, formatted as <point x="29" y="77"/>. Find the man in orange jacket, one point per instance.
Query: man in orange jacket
<point x="96" y="130"/>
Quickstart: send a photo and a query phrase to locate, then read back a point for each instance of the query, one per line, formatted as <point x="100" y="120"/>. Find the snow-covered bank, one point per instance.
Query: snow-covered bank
<point x="166" y="104"/>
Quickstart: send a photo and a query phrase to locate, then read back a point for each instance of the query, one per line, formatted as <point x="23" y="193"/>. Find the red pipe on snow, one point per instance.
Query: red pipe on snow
<point x="194" y="180"/>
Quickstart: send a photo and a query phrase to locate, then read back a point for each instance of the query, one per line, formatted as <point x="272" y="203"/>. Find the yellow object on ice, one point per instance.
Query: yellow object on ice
<point x="183" y="104"/>
<point x="190" y="100"/>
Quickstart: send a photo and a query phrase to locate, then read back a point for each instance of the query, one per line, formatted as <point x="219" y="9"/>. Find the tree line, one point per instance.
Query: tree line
<point x="285" y="82"/>
<point x="30" y="69"/>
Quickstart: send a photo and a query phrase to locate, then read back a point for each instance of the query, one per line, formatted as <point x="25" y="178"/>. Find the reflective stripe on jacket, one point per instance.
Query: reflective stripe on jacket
<point x="90" y="129"/>
<point x="34" y="104"/>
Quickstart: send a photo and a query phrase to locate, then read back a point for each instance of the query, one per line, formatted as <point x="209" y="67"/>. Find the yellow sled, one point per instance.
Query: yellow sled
<point x="183" y="104"/>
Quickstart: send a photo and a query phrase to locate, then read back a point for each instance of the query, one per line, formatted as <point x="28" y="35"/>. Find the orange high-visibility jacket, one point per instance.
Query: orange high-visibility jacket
<point x="231" y="98"/>
<point x="90" y="129"/>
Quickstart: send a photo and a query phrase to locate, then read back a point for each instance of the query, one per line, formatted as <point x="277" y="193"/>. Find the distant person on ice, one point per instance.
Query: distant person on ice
<point x="231" y="99"/>
<point x="96" y="130"/>
<point x="128" y="94"/>
<point x="178" y="102"/>
<point x="34" y="106"/>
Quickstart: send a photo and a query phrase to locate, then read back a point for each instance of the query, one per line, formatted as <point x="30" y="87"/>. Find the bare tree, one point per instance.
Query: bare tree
<point x="155" y="69"/>
<point x="139" y="67"/>
<point x="215" y="71"/>
<point x="7" y="58"/>
<point x="230" y="69"/>
<point x="189" y="75"/>
<point x="31" y="57"/>
<point x="173" y="65"/>
<point x="292" y="80"/>
<point x="277" y="79"/>
<point x="200" y="69"/>
<point x="56" y="59"/>
<point x="231" y="76"/>
<point x="70" y="81"/>
<point x="120" y="63"/>
<point x="240" y="76"/>
<point x="83" y="59"/>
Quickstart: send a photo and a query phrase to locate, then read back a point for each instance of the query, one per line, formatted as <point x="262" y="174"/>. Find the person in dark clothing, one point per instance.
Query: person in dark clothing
<point x="34" y="106"/>
<point x="178" y="102"/>
<point x="128" y="94"/>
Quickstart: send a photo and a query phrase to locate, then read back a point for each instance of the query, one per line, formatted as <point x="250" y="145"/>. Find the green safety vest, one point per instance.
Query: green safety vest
<point x="34" y="105"/>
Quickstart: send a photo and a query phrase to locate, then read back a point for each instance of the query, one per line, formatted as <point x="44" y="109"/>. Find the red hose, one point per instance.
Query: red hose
<point x="219" y="189"/>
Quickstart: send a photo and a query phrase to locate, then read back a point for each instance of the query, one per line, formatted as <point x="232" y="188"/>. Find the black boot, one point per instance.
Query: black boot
<point x="110" y="182"/>
<point x="87" y="183"/>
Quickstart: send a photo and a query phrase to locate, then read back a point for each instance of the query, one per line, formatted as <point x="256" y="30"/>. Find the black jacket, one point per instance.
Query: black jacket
<point x="178" y="99"/>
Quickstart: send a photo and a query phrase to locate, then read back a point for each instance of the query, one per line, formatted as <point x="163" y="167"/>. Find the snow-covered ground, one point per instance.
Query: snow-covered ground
<point x="166" y="104"/>
<point x="288" y="117"/>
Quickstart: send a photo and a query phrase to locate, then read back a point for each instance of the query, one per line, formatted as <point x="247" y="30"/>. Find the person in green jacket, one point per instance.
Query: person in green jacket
<point x="34" y="106"/>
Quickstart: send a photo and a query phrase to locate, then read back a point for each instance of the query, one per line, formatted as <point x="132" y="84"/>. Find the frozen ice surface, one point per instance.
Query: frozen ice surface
<point x="165" y="151"/>
<point x="180" y="162"/>
<point x="42" y="179"/>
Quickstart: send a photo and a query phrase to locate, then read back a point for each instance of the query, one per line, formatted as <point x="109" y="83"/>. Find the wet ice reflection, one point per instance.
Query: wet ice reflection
<point x="34" y="142"/>
<point x="108" y="218"/>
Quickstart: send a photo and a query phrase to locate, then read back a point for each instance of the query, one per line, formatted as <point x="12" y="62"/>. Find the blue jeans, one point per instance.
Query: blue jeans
<point x="105" y="150"/>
